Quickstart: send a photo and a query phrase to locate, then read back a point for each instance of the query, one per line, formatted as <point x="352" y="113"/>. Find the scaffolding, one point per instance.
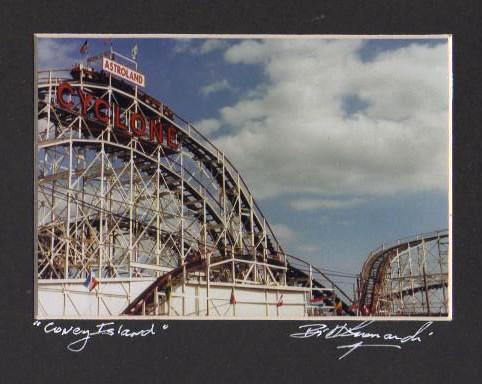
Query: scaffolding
<point x="132" y="203"/>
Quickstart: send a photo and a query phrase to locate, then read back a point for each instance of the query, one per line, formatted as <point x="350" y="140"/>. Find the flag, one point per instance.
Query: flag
<point x="280" y="301"/>
<point x="91" y="282"/>
<point x="94" y="283"/>
<point x="84" y="48"/>
<point x="134" y="52"/>
<point x="232" y="300"/>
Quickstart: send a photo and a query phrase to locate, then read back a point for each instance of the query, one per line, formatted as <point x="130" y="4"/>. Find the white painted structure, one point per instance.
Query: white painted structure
<point x="132" y="193"/>
<point x="71" y="299"/>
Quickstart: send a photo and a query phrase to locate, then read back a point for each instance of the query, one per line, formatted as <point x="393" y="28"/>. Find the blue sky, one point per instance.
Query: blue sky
<point x="344" y="143"/>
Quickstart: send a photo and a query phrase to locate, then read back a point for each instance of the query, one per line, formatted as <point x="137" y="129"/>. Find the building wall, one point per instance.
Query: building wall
<point x="250" y="302"/>
<point x="73" y="299"/>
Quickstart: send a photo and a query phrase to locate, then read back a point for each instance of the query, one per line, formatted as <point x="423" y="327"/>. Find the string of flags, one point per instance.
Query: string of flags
<point x="232" y="299"/>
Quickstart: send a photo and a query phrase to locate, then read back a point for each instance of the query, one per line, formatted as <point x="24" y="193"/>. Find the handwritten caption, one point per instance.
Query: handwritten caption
<point x="361" y="332"/>
<point x="364" y="338"/>
<point x="85" y="335"/>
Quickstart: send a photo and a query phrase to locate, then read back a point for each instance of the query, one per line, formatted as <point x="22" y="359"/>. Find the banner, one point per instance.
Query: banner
<point x="123" y="72"/>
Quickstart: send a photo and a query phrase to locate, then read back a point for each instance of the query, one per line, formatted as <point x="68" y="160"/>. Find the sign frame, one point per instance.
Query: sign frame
<point x="123" y="72"/>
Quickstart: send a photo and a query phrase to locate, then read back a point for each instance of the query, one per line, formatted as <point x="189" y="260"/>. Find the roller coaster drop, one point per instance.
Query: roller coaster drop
<point x="132" y="195"/>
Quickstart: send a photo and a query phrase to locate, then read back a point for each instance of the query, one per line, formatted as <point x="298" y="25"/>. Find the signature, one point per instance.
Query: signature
<point x="102" y="329"/>
<point x="360" y="331"/>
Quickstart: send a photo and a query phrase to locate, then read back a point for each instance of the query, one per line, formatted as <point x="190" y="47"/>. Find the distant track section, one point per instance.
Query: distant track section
<point x="408" y="278"/>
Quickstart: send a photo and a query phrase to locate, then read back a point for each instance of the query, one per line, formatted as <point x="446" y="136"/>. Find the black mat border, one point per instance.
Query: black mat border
<point x="233" y="351"/>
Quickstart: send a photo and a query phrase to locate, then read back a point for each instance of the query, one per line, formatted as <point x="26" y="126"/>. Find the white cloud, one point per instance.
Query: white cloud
<point x="195" y="47"/>
<point x="55" y="54"/>
<point x="183" y="46"/>
<point x="283" y="233"/>
<point x="312" y="204"/>
<point x="294" y="135"/>
<point x="309" y="248"/>
<point x="217" y="86"/>
<point x="291" y="240"/>
<point x="207" y="126"/>
<point x="247" y="52"/>
<point x="333" y="220"/>
<point x="212" y="45"/>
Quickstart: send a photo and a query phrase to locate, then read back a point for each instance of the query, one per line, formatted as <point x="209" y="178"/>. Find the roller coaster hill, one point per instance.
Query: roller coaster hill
<point x="139" y="214"/>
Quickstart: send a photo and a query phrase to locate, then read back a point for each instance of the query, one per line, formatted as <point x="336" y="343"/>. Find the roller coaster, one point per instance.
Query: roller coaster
<point x="132" y="195"/>
<point x="408" y="278"/>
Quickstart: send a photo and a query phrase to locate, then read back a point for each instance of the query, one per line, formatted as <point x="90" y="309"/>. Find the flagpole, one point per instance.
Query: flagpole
<point x="125" y="58"/>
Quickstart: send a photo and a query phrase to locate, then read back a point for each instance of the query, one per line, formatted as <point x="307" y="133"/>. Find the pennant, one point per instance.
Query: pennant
<point x="84" y="48"/>
<point x="280" y="301"/>
<point x="365" y="311"/>
<point x="134" y="52"/>
<point x="232" y="300"/>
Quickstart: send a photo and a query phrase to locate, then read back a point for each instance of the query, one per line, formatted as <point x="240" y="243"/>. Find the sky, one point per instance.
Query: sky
<point x="343" y="142"/>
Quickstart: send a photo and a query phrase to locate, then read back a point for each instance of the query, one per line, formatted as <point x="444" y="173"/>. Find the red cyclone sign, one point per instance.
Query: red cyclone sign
<point x="135" y="125"/>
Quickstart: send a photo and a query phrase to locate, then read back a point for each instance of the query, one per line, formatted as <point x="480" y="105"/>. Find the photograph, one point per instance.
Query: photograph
<point x="267" y="177"/>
